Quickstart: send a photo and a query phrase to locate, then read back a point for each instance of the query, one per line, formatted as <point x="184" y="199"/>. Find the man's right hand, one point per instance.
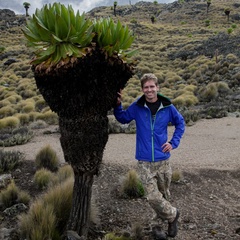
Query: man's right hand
<point x="119" y="97"/>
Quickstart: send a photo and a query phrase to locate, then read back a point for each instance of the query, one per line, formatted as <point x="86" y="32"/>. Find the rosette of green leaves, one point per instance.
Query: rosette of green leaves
<point x="114" y="38"/>
<point x="56" y="33"/>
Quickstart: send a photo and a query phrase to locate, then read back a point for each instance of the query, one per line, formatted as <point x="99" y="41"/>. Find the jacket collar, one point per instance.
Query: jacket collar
<point x="163" y="100"/>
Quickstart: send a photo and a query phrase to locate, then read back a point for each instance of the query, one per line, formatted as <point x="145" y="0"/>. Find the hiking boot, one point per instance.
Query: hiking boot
<point x="158" y="234"/>
<point x="172" y="226"/>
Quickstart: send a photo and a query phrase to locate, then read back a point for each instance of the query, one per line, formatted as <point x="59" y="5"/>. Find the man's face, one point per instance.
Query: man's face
<point x="150" y="90"/>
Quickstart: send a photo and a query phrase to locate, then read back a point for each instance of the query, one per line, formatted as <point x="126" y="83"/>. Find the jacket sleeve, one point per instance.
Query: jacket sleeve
<point x="124" y="116"/>
<point x="178" y="121"/>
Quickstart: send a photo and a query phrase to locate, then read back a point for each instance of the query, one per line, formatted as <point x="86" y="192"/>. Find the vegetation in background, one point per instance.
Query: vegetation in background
<point x="18" y="77"/>
<point x="26" y="6"/>
<point x="15" y="136"/>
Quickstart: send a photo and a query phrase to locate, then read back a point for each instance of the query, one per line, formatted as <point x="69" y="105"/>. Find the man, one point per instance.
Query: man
<point x="153" y="112"/>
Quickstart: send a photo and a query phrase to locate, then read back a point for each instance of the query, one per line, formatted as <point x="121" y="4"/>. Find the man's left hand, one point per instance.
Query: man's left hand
<point x="167" y="147"/>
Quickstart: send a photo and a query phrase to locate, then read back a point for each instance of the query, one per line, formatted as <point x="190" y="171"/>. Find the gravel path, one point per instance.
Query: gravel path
<point x="213" y="143"/>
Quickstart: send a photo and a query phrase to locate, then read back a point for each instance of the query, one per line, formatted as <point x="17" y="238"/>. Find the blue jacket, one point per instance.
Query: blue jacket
<point x="151" y="133"/>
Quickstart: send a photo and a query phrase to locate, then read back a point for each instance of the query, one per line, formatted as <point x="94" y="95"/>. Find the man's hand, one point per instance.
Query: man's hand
<point x="119" y="98"/>
<point x="167" y="147"/>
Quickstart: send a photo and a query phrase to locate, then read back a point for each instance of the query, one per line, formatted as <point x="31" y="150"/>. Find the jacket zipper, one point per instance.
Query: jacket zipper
<point x="152" y="129"/>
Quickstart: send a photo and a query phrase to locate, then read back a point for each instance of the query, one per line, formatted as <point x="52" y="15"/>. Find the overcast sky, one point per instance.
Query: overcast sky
<point x="81" y="5"/>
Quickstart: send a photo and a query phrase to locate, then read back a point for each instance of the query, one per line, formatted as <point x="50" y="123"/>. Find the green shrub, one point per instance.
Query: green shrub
<point x="40" y="105"/>
<point x="133" y="21"/>
<point x="176" y="176"/>
<point x="132" y="186"/>
<point x="12" y="195"/>
<point x="16" y="136"/>
<point x="23" y="118"/>
<point x="209" y="92"/>
<point x="190" y="116"/>
<point x="29" y="107"/>
<point x="6" y="111"/>
<point x="179" y="101"/>
<point x="47" y="158"/>
<point x="229" y="30"/>
<point x="9" y="122"/>
<point x="9" y="160"/>
<point x="207" y="22"/>
<point x="49" y="117"/>
<point x="43" y="178"/>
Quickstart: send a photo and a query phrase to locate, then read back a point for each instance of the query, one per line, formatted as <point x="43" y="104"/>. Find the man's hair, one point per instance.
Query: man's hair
<point x="148" y="76"/>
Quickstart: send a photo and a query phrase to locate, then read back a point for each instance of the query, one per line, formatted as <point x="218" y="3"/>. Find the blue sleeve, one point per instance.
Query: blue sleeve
<point x="178" y="121"/>
<point x="124" y="116"/>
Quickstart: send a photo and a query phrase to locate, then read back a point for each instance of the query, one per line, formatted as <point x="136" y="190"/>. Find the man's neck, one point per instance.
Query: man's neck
<point x="153" y="100"/>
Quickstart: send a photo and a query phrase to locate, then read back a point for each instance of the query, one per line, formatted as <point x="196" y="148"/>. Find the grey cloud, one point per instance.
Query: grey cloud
<point x="81" y="5"/>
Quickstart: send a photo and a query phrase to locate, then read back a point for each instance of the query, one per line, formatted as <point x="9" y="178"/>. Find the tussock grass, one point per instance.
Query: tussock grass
<point x="47" y="158"/>
<point x="4" y="103"/>
<point x="132" y="186"/>
<point x="40" y="104"/>
<point x="64" y="173"/>
<point x="29" y="107"/>
<point x="6" y="111"/>
<point x="49" y="117"/>
<point x="13" y="195"/>
<point x="9" y="122"/>
<point x="43" y="178"/>
<point x="48" y="215"/>
<point x="23" y="118"/>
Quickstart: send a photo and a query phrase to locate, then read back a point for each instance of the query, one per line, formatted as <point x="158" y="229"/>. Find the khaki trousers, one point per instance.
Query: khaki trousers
<point x="156" y="179"/>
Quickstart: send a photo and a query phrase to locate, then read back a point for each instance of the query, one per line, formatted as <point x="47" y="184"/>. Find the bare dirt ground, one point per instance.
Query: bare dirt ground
<point x="208" y="195"/>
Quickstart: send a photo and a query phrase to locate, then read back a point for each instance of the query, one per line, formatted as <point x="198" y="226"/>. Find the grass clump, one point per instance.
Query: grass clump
<point x="132" y="186"/>
<point x="9" y="122"/>
<point x="64" y="173"/>
<point x="23" y="118"/>
<point x="47" y="158"/>
<point x="43" y="178"/>
<point x="9" y="160"/>
<point x="13" y="195"/>
<point x="48" y="216"/>
<point x="177" y="176"/>
<point x="6" y="111"/>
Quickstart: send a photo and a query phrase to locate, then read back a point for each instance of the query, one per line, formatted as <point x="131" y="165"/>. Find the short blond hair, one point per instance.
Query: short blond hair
<point x="148" y="76"/>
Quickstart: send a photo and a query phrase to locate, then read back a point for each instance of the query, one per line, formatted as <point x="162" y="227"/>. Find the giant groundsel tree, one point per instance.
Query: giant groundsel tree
<point x="79" y="66"/>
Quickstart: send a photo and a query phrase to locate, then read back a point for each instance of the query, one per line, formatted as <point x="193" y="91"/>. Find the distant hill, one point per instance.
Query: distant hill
<point x="193" y="49"/>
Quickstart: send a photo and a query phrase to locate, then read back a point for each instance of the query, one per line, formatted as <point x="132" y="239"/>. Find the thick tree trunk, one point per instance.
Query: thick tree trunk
<point x="83" y="140"/>
<point x="81" y="205"/>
